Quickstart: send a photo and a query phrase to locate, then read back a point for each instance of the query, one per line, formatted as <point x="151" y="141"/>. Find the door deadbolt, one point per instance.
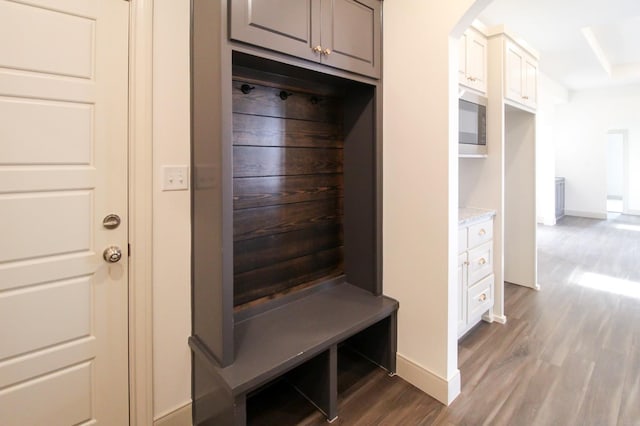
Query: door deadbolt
<point x="112" y="254"/>
<point x="111" y="221"/>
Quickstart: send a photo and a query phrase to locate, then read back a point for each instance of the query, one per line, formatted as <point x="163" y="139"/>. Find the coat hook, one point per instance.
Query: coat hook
<point x="245" y="88"/>
<point x="314" y="100"/>
<point x="284" y="95"/>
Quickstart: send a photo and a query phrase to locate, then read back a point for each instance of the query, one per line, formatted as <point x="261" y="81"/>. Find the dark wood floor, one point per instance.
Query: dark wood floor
<point x="568" y="355"/>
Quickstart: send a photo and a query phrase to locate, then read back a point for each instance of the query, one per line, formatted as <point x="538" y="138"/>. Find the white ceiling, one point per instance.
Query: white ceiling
<point x="582" y="43"/>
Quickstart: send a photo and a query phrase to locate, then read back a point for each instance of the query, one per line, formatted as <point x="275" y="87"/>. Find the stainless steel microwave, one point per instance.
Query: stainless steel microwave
<point x="472" y="127"/>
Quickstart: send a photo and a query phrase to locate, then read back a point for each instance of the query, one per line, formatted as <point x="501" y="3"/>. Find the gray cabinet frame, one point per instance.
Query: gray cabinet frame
<point x="214" y="341"/>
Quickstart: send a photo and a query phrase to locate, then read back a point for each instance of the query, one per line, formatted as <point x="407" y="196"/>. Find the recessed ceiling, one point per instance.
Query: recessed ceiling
<point x="582" y="43"/>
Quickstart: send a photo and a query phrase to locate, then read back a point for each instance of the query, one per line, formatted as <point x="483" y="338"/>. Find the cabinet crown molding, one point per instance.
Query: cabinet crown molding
<point x="502" y="30"/>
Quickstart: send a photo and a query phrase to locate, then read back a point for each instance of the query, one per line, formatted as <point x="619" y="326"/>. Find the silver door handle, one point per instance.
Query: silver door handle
<point x="112" y="254"/>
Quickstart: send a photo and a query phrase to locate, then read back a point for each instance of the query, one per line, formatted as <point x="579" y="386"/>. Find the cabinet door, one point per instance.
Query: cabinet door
<point x="462" y="59"/>
<point x="287" y="26"/>
<point x="476" y="61"/>
<point x="531" y="82"/>
<point x="351" y="31"/>
<point x="514" y="64"/>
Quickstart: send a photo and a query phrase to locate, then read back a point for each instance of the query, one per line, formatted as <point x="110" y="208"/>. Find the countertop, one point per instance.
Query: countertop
<point x="470" y="215"/>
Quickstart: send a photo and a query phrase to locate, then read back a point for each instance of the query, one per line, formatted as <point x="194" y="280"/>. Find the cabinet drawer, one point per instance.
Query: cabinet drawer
<point x="480" y="298"/>
<point x="480" y="233"/>
<point x="480" y="262"/>
<point x="462" y="239"/>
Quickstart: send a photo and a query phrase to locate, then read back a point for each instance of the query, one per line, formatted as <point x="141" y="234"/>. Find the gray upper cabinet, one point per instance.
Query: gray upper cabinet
<point x="284" y="25"/>
<point x="343" y="34"/>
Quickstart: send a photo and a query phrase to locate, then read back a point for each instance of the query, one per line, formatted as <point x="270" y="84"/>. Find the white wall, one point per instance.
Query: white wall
<point x="550" y="94"/>
<point x="520" y="245"/>
<point x="171" y="210"/>
<point x="615" y="168"/>
<point x="581" y="135"/>
<point x="420" y="185"/>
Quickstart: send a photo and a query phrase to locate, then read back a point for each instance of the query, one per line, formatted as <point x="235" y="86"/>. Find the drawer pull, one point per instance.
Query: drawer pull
<point x="482" y="261"/>
<point x="483" y="297"/>
<point x="482" y="232"/>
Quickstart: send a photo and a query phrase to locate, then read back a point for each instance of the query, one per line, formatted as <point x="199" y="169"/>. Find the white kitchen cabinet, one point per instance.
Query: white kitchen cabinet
<point x="472" y="72"/>
<point x="521" y="75"/>
<point x="475" y="272"/>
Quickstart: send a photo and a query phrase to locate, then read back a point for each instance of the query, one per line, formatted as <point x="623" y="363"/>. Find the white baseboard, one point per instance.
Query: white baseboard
<point x="502" y="319"/>
<point x="441" y="389"/>
<point x="590" y="215"/>
<point x="548" y="221"/>
<point x="179" y="417"/>
<point x="633" y="212"/>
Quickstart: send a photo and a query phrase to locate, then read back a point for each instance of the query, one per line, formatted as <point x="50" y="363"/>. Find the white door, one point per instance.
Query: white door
<point x="63" y="168"/>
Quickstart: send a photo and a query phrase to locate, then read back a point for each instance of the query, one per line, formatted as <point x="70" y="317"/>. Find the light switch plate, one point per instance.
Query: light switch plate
<point x="175" y="178"/>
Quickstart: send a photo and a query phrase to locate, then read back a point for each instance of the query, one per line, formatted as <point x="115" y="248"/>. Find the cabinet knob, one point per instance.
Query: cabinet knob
<point x="317" y="49"/>
<point x="326" y="51"/>
<point x="525" y="97"/>
<point x="483" y="297"/>
<point x="482" y="232"/>
<point x="482" y="261"/>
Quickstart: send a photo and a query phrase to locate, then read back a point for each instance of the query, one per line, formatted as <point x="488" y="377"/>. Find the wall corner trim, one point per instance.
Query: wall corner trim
<point x="178" y="417"/>
<point x="435" y="386"/>
<point x="140" y="213"/>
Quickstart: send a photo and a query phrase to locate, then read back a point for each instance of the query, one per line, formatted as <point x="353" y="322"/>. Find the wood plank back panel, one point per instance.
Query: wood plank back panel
<point x="266" y="101"/>
<point x="260" y="252"/>
<point x="264" y="221"/>
<point x="288" y="190"/>
<point x="274" y="131"/>
<point x="275" y="190"/>
<point x="251" y="161"/>
<point x="281" y="276"/>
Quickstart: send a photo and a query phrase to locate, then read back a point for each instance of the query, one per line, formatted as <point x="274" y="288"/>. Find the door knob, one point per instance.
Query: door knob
<point x="112" y="254"/>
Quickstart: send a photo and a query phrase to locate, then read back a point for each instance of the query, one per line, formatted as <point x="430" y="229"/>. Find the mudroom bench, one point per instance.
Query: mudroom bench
<point x="297" y="341"/>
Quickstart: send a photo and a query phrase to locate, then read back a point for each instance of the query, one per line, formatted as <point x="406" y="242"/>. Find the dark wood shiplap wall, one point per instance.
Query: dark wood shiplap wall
<point x="287" y="190"/>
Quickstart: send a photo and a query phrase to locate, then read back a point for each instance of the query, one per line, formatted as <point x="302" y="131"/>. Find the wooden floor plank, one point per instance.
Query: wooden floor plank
<point x="566" y="394"/>
<point x="630" y="405"/>
<point x="603" y="397"/>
